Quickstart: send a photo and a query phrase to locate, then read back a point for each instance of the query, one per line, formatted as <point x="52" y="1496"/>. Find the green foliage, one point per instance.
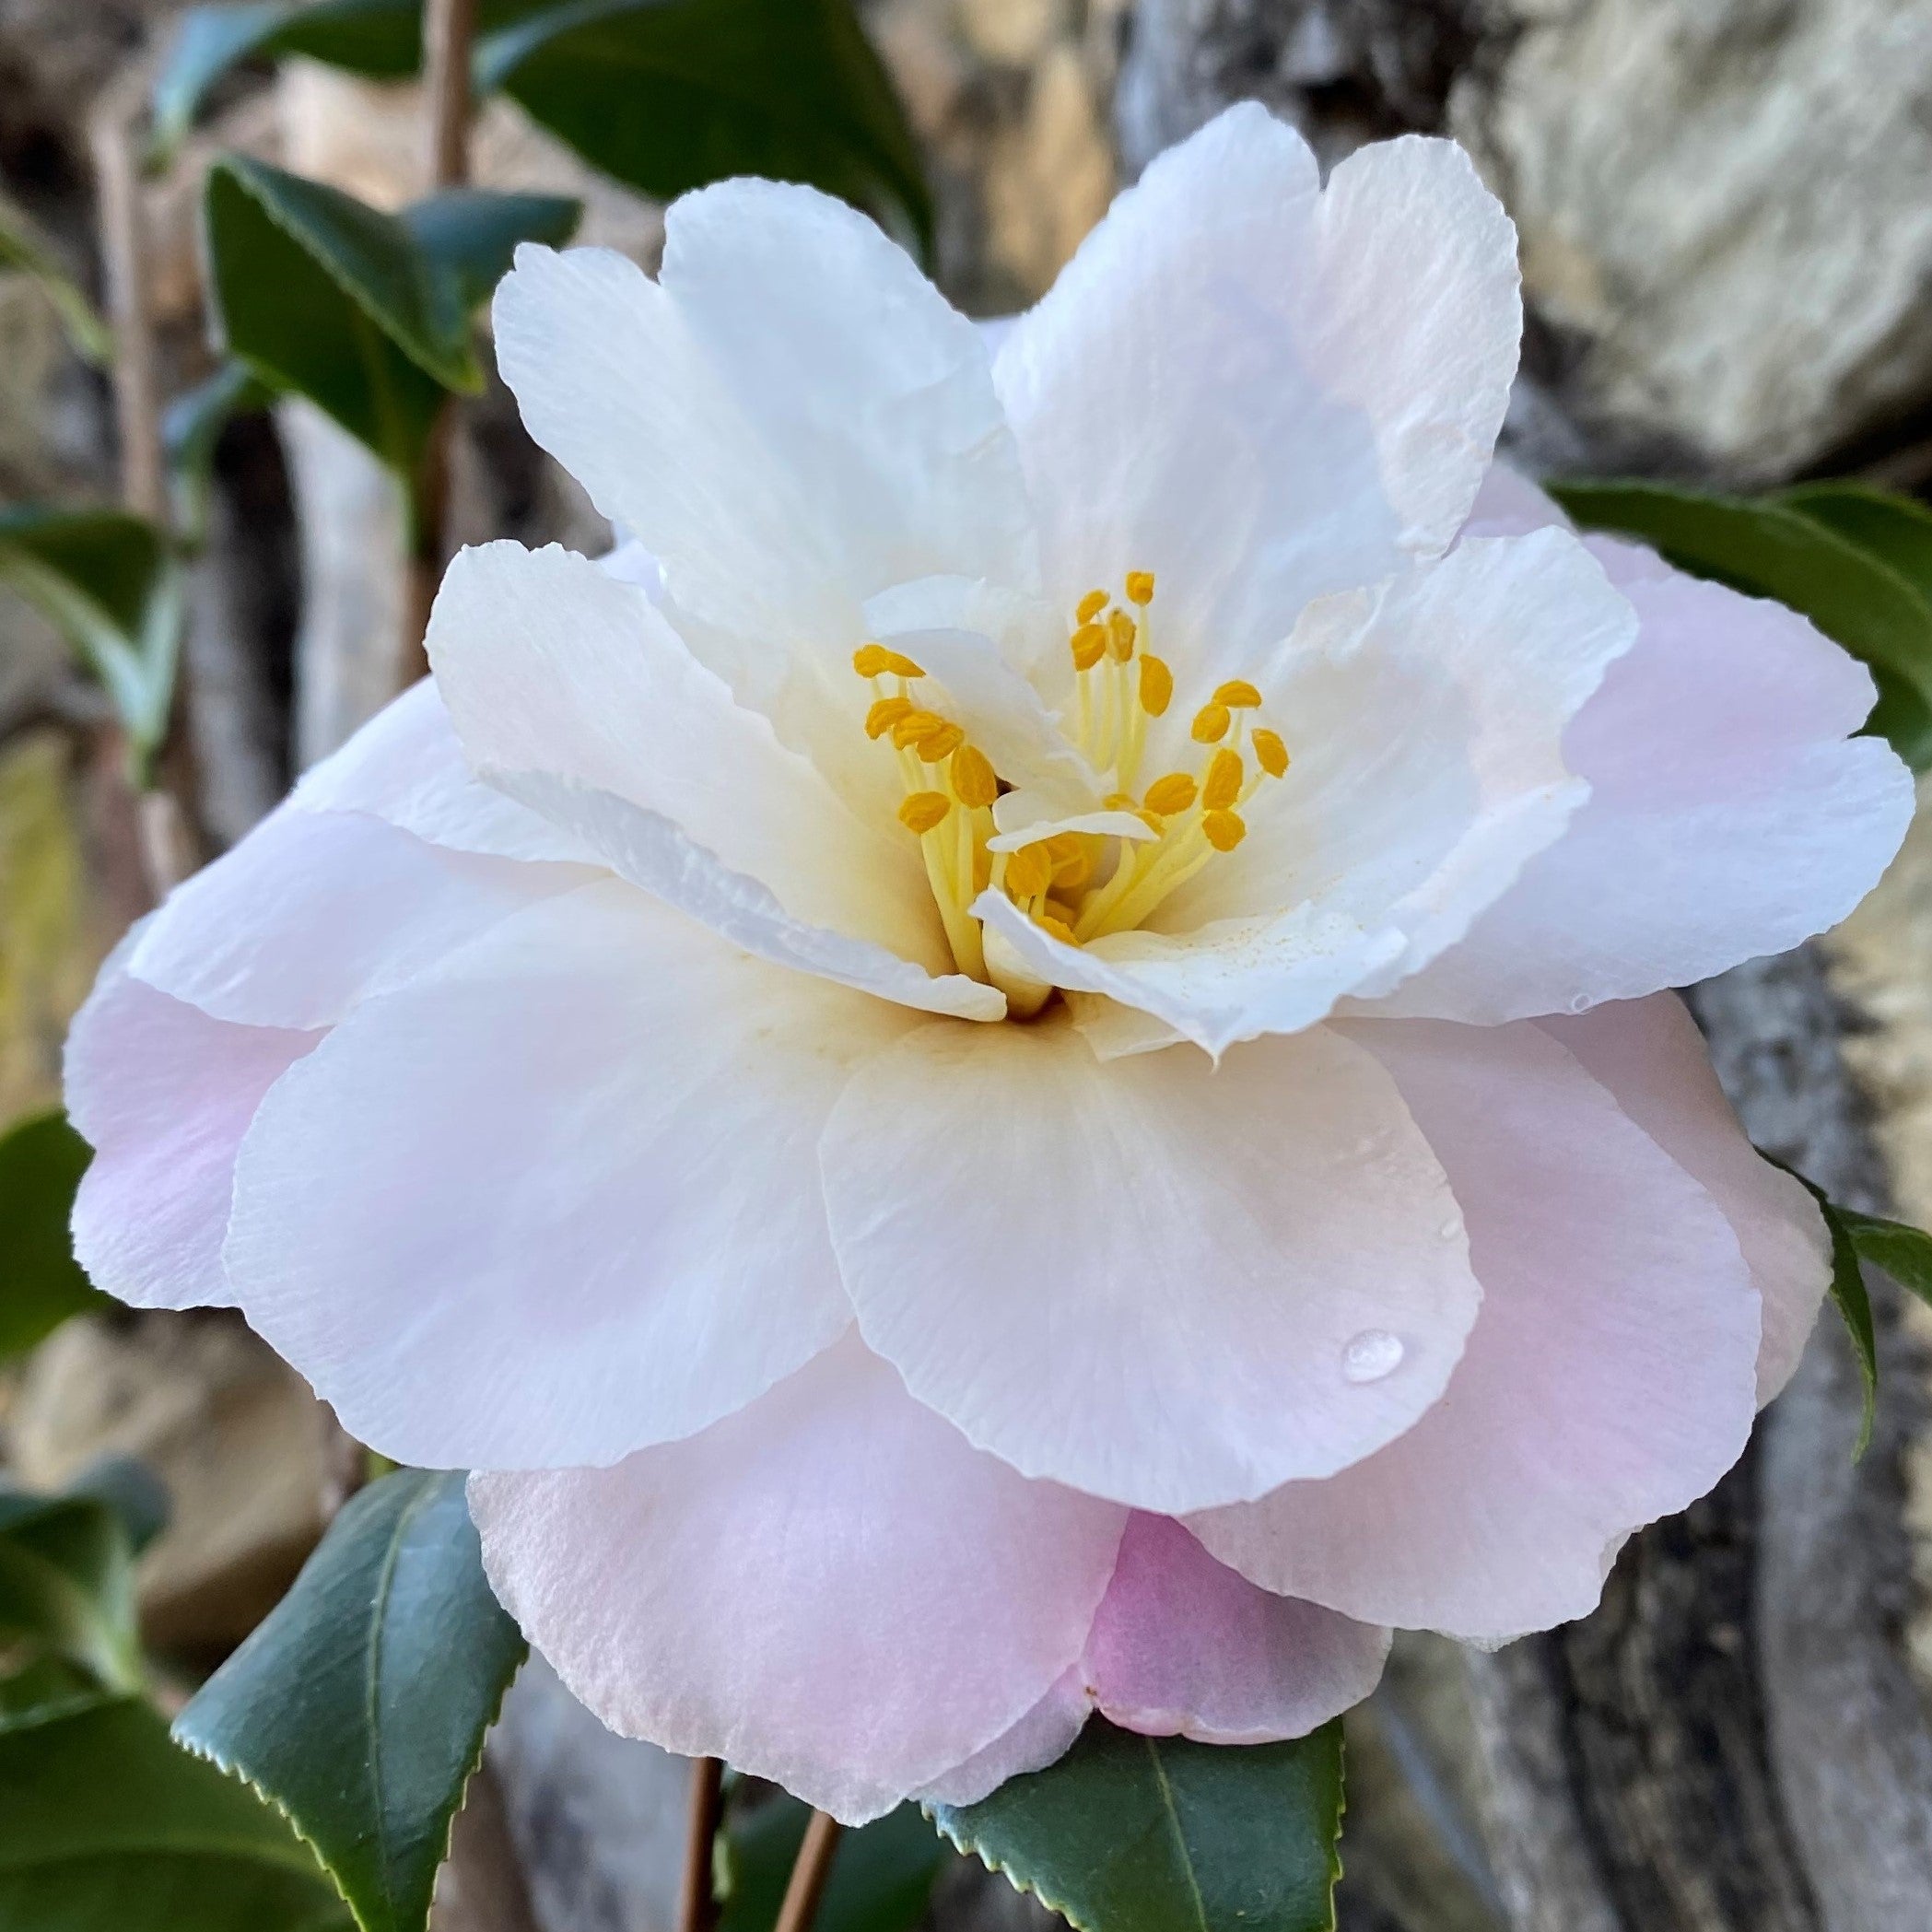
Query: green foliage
<point x="881" y="1880"/>
<point x="1127" y="1834"/>
<point x="105" y="1823"/>
<point x="41" y="1161"/>
<point x="108" y="582"/>
<point x="365" y="313"/>
<point x="67" y="1586"/>
<point x="1840" y="555"/>
<point x="359" y="1707"/>
<point x="670" y="94"/>
<point x="191" y="428"/>
<point x="22" y="248"/>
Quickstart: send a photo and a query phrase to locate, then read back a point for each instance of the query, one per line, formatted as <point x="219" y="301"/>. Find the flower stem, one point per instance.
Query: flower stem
<point x="698" y="1904"/>
<point x="809" y="1874"/>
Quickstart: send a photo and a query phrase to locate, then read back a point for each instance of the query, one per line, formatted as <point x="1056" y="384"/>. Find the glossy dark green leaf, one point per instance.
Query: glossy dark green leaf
<point x="41" y="1161"/>
<point x="190" y="428"/>
<point x="668" y="95"/>
<point x="107" y="582"/>
<point x="382" y="38"/>
<point x="66" y="1585"/>
<point x="22" y="248"/>
<point x="359" y="1707"/>
<point x="1897" y="530"/>
<point x="107" y="1826"/>
<point x="881" y="1874"/>
<point x="471" y="236"/>
<point x="1772" y="549"/>
<point x="1127" y="1834"/>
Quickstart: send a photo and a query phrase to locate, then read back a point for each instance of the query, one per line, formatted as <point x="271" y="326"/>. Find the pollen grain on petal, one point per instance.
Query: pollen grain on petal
<point x="921" y="810"/>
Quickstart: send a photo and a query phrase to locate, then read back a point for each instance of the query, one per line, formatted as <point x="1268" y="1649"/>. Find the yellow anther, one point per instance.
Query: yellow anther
<point x="923" y="810"/>
<point x="1090" y="607"/>
<point x="1089" y="646"/>
<point x="1174" y="793"/>
<point x="982" y="870"/>
<point x="875" y="660"/>
<point x="1222" y="785"/>
<point x="1119" y="801"/>
<point x="972" y="778"/>
<point x="915" y="726"/>
<point x="941" y="743"/>
<point x="1156" y="687"/>
<point x="1029" y="872"/>
<point x="1063" y="846"/>
<point x="1211" y="722"/>
<point x="1270" y="753"/>
<point x="1152" y="819"/>
<point x="1059" y="929"/>
<point x="1237" y="695"/>
<point x="1224" y="830"/>
<point x="1140" y="587"/>
<point x="1072" y="870"/>
<point x="1121" y="634"/>
<point x="886" y="713"/>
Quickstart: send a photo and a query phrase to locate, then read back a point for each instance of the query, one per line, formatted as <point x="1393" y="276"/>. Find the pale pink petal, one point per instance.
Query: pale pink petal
<point x="164" y="1095"/>
<point x="557" y="1199"/>
<point x="1143" y="1277"/>
<point x="1222" y="389"/>
<point x="1041" y="1738"/>
<point x="1652" y="1057"/>
<point x="407" y="766"/>
<point x="829" y="1588"/>
<point x="1609" y="1378"/>
<point x="315" y="910"/>
<point x="1732" y="812"/>
<point x="550" y="665"/>
<point x="1182" y="1645"/>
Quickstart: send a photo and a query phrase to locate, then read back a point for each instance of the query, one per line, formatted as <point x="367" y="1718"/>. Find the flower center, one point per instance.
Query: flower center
<point x="1077" y="885"/>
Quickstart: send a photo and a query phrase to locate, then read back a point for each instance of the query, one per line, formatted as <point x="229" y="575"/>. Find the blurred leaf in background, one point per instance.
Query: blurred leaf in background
<point x="41" y="1161"/>
<point x="881" y="1873"/>
<point x="22" y="247"/>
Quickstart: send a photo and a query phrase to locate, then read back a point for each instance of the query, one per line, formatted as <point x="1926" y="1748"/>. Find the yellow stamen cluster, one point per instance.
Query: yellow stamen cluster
<point x="1075" y="885"/>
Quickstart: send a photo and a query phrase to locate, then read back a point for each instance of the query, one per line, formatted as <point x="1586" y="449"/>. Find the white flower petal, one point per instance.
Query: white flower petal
<point x="557" y="1198"/>
<point x="1608" y="1379"/>
<point x="829" y="1589"/>
<point x="551" y="666"/>
<point x="1260" y="392"/>
<point x="1652" y="1057"/>
<point x="1141" y="1279"/>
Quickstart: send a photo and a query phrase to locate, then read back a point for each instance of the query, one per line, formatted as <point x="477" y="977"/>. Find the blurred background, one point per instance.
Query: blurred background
<point x="1725" y="219"/>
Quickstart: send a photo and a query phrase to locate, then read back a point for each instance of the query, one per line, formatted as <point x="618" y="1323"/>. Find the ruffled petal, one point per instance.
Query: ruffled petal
<point x="1143" y="1279"/>
<point x="552" y="666"/>
<point x="1608" y="1381"/>
<point x="164" y="1095"/>
<point x="830" y="1589"/>
<point x="1263" y="392"/>
<point x="1652" y="1057"/>
<point x="1732" y="812"/>
<point x="1041" y="1738"/>
<point x="791" y="418"/>
<point x="315" y="910"/>
<point x="1183" y="1645"/>
<point x="557" y="1199"/>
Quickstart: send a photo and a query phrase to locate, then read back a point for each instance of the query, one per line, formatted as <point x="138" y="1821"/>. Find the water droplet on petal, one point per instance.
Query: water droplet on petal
<point x="1372" y="1355"/>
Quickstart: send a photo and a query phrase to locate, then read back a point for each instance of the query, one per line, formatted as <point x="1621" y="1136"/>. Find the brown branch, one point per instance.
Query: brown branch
<point x="809" y="1875"/>
<point x="697" y="1903"/>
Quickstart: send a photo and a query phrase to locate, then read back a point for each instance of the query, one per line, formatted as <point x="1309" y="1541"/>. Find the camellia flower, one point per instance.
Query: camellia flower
<point x="1020" y="1065"/>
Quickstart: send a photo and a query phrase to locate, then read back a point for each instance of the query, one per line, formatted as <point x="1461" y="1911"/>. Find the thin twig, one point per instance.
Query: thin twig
<point x="697" y="1901"/>
<point x="449" y="32"/>
<point x="809" y="1875"/>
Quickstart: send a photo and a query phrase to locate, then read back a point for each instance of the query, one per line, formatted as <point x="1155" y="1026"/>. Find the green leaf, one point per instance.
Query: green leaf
<point x="41" y="1161"/>
<point x="66" y="1585"/>
<point x="190" y="430"/>
<point x="1896" y="530"/>
<point x="1772" y="549"/>
<point x="106" y="1826"/>
<point x="22" y="248"/>
<point x="668" y="95"/>
<point x="108" y="583"/>
<point x="382" y="38"/>
<point x="1127" y="1834"/>
<point x="132" y="1491"/>
<point x="881" y="1880"/>
<point x="359" y="1707"/>
<point x="1848" y="1295"/>
<point x="47" y="1687"/>
<point x="471" y="236"/>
